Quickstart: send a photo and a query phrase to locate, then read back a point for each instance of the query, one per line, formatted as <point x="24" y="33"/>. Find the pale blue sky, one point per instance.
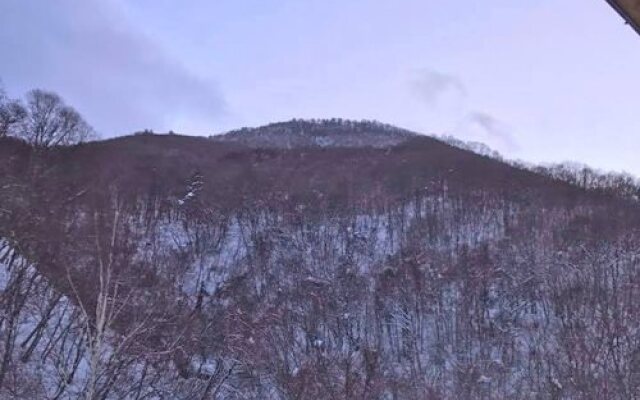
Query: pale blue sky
<point x="539" y="80"/>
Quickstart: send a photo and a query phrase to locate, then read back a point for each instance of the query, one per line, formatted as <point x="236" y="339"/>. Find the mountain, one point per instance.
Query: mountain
<point x="312" y="260"/>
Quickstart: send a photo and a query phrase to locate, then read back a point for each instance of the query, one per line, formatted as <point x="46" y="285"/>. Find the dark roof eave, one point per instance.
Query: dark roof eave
<point x="625" y="15"/>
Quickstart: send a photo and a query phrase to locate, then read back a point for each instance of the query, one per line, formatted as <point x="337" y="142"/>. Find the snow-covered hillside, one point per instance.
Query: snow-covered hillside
<point x="152" y="267"/>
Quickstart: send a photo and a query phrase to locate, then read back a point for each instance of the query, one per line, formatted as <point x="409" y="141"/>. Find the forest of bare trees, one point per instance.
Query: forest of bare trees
<point x="418" y="271"/>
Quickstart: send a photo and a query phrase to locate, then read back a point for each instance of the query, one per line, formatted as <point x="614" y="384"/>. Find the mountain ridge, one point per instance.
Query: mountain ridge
<point x="334" y="132"/>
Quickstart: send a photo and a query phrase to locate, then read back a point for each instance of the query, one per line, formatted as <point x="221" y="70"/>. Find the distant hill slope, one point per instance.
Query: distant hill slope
<point x="318" y="133"/>
<point x="361" y="165"/>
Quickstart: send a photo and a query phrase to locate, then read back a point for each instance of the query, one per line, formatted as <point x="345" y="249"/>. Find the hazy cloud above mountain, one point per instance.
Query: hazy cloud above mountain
<point x="493" y="129"/>
<point x="433" y="87"/>
<point x="446" y="95"/>
<point x="88" y="52"/>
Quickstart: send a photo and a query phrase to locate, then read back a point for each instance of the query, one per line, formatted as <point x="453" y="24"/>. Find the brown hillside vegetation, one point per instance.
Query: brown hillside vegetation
<point x="167" y="266"/>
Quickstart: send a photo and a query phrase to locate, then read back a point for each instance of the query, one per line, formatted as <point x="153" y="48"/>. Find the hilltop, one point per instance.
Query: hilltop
<point x="319" y="133"/>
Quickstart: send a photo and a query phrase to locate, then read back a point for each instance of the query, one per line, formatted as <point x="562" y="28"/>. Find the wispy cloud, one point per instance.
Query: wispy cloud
<point x="446" y="98"/>
<point x="492" y="128"/>
<point x="433" y="87"/>
<point x="116" y="76"/>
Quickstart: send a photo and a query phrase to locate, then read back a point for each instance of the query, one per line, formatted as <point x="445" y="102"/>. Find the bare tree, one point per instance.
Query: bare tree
<point x="47" y="121"/>
<point x="12" y="112"/>
<point x="105" y="358"/>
